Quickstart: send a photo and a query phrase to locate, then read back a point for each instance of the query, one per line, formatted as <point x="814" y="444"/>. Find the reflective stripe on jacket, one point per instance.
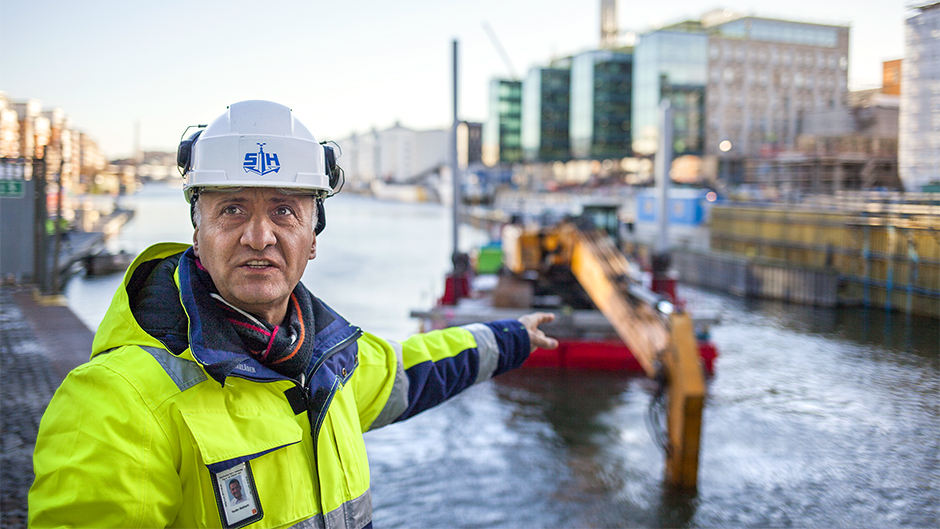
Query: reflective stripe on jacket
<point x="142" y="437"/>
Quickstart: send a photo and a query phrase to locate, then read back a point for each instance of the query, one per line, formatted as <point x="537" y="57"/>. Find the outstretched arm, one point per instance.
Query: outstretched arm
<point x="429" y="368"/>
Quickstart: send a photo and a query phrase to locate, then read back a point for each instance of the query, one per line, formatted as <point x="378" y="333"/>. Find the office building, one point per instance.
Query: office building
<point x="545" y="113"/>
<point x="764" y="76"/>
<point x="919" y="122"/>
<point x="601" y="89"/>
<point x="502" y="132"/>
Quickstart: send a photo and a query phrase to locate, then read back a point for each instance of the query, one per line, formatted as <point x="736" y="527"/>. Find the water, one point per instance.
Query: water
<point x="815" y="418"/>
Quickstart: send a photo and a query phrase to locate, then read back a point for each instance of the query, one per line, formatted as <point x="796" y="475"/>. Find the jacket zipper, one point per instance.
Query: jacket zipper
<point x="333" y="350"/>
<point x="306" y="391"/>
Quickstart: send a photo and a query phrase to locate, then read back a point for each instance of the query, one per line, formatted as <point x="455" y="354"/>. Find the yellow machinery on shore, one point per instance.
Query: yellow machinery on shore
<point x="661" y="337"/>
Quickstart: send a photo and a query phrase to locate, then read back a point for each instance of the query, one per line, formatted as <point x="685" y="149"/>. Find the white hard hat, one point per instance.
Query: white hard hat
<point x="258" y="144"/>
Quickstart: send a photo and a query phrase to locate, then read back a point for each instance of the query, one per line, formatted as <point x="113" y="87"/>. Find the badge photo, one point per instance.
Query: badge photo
<point x="237" y="496"/>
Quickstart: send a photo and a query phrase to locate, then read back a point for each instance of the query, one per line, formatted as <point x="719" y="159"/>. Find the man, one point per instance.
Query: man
<point x="214" y="363"/>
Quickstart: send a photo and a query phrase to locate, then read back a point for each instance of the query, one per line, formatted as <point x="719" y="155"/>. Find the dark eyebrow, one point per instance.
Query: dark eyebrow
<point x="226" y="200"/>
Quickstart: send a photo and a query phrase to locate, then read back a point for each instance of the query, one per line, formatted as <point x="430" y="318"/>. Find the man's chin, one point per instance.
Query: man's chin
<point x="257" y="302"/>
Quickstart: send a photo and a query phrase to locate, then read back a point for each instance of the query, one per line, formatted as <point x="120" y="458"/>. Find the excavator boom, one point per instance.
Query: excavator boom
<point x="659" y="340"/>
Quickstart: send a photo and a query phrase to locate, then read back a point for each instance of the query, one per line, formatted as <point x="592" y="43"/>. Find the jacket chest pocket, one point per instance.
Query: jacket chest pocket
<point x="247" y="468"/>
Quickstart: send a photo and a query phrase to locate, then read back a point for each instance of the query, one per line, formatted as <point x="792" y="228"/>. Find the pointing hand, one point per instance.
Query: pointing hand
<point x="537" y="338"/>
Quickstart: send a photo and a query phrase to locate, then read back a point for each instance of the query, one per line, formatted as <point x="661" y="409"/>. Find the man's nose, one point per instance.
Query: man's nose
<point x="259" y="233"/>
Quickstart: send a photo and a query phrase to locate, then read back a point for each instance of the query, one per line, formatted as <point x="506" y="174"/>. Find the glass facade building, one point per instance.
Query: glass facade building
<point x="502" y="132"/>
<point x="545" y="115"/>
<point x="601" y="94"/>
<point x="673" y="64"/>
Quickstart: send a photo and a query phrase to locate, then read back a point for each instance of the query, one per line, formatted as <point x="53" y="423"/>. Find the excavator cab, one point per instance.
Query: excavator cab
<point x="603" y="217"/>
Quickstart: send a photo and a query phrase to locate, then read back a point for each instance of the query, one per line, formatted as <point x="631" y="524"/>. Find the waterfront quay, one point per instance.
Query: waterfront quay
<point x="41" y="340"/>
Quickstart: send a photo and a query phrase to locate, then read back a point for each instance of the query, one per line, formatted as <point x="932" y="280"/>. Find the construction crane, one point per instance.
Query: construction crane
<point x="502" y="52"/>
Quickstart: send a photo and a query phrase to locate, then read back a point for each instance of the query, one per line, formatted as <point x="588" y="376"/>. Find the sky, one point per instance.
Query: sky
<point x="344" y="66"/>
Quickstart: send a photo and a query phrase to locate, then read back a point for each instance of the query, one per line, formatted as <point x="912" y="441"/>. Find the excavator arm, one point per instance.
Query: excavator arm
<point x="660" y="337"/>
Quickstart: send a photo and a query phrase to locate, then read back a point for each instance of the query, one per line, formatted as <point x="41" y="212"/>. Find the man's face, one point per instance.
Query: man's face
<point x="255" y="244"/>
<point x="235" y="489"/>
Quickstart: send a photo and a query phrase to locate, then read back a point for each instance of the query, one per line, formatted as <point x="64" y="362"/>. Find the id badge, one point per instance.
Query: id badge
<point x="237" y="496"/>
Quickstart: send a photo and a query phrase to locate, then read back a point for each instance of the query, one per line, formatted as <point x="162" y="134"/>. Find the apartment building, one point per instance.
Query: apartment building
<point x="919" y="122"/>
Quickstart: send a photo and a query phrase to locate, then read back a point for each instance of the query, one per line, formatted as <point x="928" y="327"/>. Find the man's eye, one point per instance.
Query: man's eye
<point x="230" y="210"/>
<point x="284" y="210"/>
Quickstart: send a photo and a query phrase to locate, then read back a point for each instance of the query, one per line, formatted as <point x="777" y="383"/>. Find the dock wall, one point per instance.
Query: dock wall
<point x="758" y="279"/>
<point x="881" y="251"/>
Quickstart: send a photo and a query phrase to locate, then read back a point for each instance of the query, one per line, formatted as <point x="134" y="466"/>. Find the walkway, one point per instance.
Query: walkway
<point x="39" y="344"/>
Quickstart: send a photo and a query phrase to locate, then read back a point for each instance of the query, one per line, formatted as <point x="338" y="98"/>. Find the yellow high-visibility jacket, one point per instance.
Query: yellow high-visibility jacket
<point x="162" y="428"/>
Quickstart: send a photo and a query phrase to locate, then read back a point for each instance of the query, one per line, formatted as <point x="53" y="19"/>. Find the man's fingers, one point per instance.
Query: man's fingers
<point x="537" y="338"/>
<point x="544" y="342"/>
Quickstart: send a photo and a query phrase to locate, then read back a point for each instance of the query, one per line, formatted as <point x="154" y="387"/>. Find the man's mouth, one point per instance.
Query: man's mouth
<point x="258" y="264"/>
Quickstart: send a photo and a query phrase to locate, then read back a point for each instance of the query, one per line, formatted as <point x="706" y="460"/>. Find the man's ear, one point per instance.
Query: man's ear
<point x="196" y="242"/>
<point x="313" y="249"/>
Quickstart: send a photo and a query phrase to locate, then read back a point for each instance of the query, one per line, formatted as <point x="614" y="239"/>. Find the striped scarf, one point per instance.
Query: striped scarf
<point x="286" y="348"/>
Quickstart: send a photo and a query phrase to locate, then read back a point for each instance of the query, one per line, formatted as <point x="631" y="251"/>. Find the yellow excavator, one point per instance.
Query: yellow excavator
<point x="575" y="266"/>
<point x="660" y="335"/>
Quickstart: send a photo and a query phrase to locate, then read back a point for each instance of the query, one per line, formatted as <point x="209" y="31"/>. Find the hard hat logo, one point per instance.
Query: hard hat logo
<point x="261" y="163"/>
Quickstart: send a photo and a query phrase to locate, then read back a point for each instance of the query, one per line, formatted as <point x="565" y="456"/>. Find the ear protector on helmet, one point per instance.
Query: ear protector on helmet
<point x="184" y="154"/>
<point x="335" y="172"/>
<point x="337" y="179"/>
